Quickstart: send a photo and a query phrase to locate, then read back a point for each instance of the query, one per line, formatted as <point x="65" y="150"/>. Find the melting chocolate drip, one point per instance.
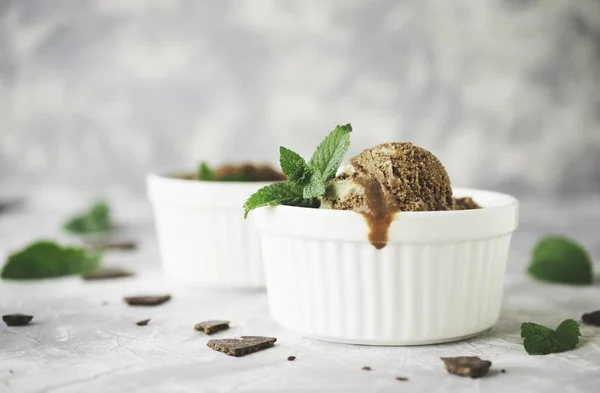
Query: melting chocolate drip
<point x="382" y="207"/>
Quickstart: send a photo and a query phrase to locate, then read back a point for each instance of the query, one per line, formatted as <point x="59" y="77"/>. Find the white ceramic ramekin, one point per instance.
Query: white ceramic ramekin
<point x="202" y="235"/>
<point x="439" y="279"/>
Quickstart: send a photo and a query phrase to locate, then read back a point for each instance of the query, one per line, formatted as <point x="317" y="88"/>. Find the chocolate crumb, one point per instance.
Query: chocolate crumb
<point x="104" y="303"/>
<point x="403" y="379"/>
<point x="241" y="346"/>
<point x="17" y="319"/>
<point x="210" y="327"/>
<point x="465" y="204"/>
<point x="147" y="300"/>
<point x="366" y="368"/>
<point x="143" y="322"/>
<point x="11" y="371"/>
<point x="291" y="358"/>
<point x="592" y="318"/>
<point x="467" y="366"/>
<point x="503" y="371"/>
<point x="107" y="274"/>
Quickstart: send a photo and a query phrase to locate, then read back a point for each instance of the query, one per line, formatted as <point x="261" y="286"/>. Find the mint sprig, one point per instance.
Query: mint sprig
<point x="306" y="182"/>
<point x="540" y="340"/>
<point x="562" y="260"/>
<point x="96" y="219"/>
<point x="46" y="259"/>
<point x="205" y="172"/>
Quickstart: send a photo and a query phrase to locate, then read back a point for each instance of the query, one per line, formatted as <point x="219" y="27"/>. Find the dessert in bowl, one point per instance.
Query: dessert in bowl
<point x="202" y="239"/>
<point x="392" y="256"/>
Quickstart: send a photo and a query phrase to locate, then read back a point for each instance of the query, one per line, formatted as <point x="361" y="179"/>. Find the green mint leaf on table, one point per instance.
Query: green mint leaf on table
<point x="306" y="183"/>
<point x="205" y="172"/>
<point x="330" y="153"/>
<point x="46" y="259"/>
<point x="540" y="340"/>
<point x="294" y="166"/>
<point x="562" y="260"/>
<point x="96" y="219"/>
<point x="273" y="194"/>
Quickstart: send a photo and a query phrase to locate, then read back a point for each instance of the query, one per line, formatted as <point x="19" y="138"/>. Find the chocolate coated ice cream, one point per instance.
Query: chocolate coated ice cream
<point x="388" y="178"/>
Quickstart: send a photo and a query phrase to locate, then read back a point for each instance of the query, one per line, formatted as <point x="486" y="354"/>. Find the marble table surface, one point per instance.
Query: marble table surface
<point x="84" y="338"/>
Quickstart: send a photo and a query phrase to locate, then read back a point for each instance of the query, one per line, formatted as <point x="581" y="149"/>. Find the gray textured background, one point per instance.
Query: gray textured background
<point x="95" y="93"/>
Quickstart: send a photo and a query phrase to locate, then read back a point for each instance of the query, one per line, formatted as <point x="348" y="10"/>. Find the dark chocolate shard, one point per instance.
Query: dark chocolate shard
<point x="143" y="322"/>
<point x="592" y="318"/>
<point x="107" y="274"/>
<point x="467" y="366"/>
<point x="403" y="379"/>
<point x="109" y="244"/>
<point x="367" y="368"/>
<point x="241" y="346"/>
<point x="210" y="327"/>
<point x="147" y="300"/>
<point x="17" y="319"/>
<point x="291" y="358"/>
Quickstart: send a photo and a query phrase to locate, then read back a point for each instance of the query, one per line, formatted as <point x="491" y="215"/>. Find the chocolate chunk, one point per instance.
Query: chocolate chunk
<point x="241" y="346"/>
<point x="366" y="368"/>
<point x="291" y="358"/>
<point x="467" y="366"/>
<point x="143" y="322"/>
<point x="147" y="300"/>
<point x="592" y="318"/>
<point x="503" y="371"/>
<point x="17" y="319"/>
<point x="108" y="244"/>
<point x="403" y="379"/>
<point x="210" y="327"/>
<point x="107" y="274"/>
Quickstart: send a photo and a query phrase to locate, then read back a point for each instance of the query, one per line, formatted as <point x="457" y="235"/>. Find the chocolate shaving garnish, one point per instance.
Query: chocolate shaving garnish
<point x="143" y="322"/>
<point x="210" y="327"/>
<point x="366" y="368"/>
<point x="467" y="366"/>
<point x="241" y="346"/>
<point x="465" y="204"/>
<point x="17" y="319"/>
<point x="592" y="318"/>
<point x="403" y="379"/>
<point x="147" y="300"/>
<point x="107" y="274"/>
<point x="291" y="358"/>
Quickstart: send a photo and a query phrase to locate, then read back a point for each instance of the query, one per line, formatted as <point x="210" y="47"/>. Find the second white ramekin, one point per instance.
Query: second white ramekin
<point x="202" y="235"/>
<point x="439" y="279"/>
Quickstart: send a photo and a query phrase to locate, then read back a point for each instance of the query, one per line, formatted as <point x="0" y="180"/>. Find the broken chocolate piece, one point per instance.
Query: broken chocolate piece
<point x="291" y="358"/>
<point x="147" y="300"/>
<point x="465" y="204"/>
<point x="210" y="327"/>
<point x="503" y="371"/>
<point x="403" y="379"/>
<point x="107" y="274"/>
<point x="467" y="366"/>
<point x="17" y="319"/>
<point x="592" y="318"/>
<point x="366" y="368"/>
<point x="241" y="346"/>
<point x="143" y="322"/>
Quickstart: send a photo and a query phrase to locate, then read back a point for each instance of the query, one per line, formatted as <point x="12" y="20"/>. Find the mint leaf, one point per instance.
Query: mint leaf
<point x="330" y="153"/>
<point x="273" y="194"/>
<point x="315" y="187"/>
<point x="560" y="259"/>
<point x="293" y="166"/>
<point x="96" y="219"/>
<point x="540" y="340"/>
<point x="46" y="259"/>
<point x="205" y="172"/>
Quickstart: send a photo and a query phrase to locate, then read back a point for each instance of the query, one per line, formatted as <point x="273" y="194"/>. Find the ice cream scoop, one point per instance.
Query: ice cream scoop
<point x="386" y="179"/>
